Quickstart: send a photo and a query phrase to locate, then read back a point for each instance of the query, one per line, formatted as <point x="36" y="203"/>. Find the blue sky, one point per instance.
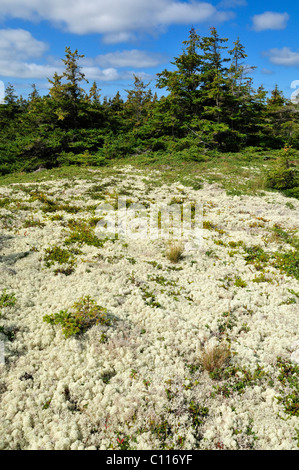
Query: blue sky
<point x="120" y="38"/>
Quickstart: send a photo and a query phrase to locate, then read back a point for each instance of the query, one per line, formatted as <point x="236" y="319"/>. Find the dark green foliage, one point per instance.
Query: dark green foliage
<point x="285" y="175"/>
<point x="210" y="106"/>
<point x="288" y="263"/>
<point x="7" y="300"/>
<point x="85" y="313"/>
<point x="255" y="255"/>
<point x="289" y="379"/>
<point x="59" y="255"/>
<point x="198" y="413"/>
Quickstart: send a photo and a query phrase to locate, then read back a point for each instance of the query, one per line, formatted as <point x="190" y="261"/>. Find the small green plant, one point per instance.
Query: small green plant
<point x="288" y="262"/>
<point x="163" y="281"/>
<point x="7" y="300"/>
<point x="290" y="206"/>
<point x="262" y="278"/>
<point x="219" y="242"/>
<point x="82" y="233"/>
<point x="233" y="244"/>
<point x="289" y="378"/>
<point x="123" y="442"/>
<point x="155" y="264"/>
<point x="198" y="413"/>
<point x="256" y="255"/>
<point x="56" y="217"/>
<point x="211" y="254"/>
<point x="149" y="298"/>
<point x="238" y="378"/>
<point x="107" y="376"/>
<point x="59" y="255"/>
<point x="240" y="282"/>
<point x="85" y="313"/>
<point x="281" y="235"/>
<point x="296" y="294"/>
<point x="31" y="222"/>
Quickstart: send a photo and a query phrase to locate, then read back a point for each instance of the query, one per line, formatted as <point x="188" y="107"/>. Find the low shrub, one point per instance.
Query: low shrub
<point x="85" y="313"/>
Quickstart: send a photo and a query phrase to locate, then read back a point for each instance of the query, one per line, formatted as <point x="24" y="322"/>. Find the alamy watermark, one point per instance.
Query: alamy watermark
<point x="151" y="221"/>
<point x="294" y="95"/>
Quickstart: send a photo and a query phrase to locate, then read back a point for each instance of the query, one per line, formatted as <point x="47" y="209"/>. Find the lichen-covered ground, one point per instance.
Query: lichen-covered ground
<point x="142" y="380"/>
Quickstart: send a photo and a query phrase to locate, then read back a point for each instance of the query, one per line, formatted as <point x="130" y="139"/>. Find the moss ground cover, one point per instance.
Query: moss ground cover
<point x="123" y="366"/>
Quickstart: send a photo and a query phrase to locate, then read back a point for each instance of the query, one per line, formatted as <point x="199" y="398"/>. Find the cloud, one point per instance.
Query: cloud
<point x="105" y="75"/>
<point x="184" y="13"/>
<point x="283" y="56"/>
<point x="18" y="47"/>
<point x="115" y="38"/>
<point x="116" y="20"/>
<point x="17" y="69"/>
<point x="132" y="58"/>
<point x="266" y="71"/>
<point x="270" y="20"/>
<point x="20" y="44"/>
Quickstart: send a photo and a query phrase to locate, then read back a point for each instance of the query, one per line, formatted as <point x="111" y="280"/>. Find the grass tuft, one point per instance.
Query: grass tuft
<point x="175" y="251"/>
<point x="215" y="357"/>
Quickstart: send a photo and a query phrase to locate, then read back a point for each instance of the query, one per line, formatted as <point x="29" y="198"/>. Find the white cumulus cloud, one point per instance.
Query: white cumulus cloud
<point x="18" y="47"/>
<point x="284" y="56"/>
<point x="116" y="20"/>
<point x="270" y="20"/>
<point x="20" y="44"/>
<point x="130" y="58"/>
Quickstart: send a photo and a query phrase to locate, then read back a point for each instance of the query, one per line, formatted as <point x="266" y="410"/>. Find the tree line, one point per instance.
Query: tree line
<point x="209" y="104"/>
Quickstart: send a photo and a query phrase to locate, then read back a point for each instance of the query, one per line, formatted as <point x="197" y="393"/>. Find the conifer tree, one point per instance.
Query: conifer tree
<point x="138" y="100"/>
<point x="213" y="82"/>
<point x="66" y="91"/>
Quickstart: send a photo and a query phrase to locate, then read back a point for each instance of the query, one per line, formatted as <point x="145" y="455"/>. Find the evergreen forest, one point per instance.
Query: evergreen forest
<point x="209" y="107"/>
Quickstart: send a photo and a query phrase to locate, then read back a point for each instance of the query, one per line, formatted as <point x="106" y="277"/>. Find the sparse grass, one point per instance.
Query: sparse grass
<point x="262" y="278"/>
<point x="31" y="222"/>
<point x="256" y="256"/>
<point x="278" y="234"/>
<point x="49" y="205"/>
<point x="215" y="357"/>
<point x="56" y="217"/>
<point x="207" y="225"/>
<point x="175" y="251"/>
<point x="4" y="202"/>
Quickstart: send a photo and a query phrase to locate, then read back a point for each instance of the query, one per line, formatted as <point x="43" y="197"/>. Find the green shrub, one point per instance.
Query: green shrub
<point x="288" y="262"/>
<point x="284" y="176"/>
<point x="85" y="313"/>
<point x="59" y="255"/>
<point x="83" y="233"/>
<point x="7" y="300"/>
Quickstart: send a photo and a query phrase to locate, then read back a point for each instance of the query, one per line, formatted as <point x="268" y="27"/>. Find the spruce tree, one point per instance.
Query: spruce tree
<point x="183" y="103"/>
